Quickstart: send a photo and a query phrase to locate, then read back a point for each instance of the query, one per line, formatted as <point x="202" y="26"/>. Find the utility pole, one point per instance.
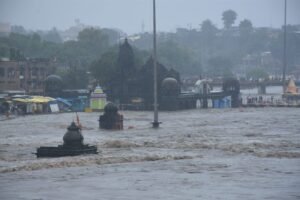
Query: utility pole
<point x="284" y="50"/>
<point x="155" y="123"/>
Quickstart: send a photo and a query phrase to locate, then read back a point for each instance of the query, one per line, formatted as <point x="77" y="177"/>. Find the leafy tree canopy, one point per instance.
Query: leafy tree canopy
<point x="207" y="28"/>
<point x="257" y="73"/>
<point x="229" y="17"/>
<point x="245" y="27"/>
<point x="104" y="69"/>
<point x="52" y="36"/>
<point x="220" y="67"/>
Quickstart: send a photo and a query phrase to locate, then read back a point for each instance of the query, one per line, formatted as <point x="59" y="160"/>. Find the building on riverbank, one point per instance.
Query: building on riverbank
<point x="25" y="75"/>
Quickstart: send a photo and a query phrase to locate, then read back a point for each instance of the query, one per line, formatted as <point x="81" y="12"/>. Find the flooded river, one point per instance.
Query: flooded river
<point x="196" y="154"/>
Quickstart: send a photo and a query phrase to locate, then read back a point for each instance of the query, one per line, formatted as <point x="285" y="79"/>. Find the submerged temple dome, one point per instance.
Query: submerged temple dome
<point x="170" y="86"/>
<point x="53" y="85"/>
<point x="170" y="89"/>
<point x="73" y="136"/>
<point x="111" y="119"/>
<point x="111" y="108"/>
<point x="53" y="77"/>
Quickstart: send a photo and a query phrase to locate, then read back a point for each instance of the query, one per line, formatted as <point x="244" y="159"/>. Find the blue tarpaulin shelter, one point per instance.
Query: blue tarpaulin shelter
<point x="66" y="102"/>
<point x="222" y="103"/>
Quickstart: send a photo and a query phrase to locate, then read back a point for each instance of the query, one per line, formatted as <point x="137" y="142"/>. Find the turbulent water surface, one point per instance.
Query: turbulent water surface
<point x="196" y="154"/>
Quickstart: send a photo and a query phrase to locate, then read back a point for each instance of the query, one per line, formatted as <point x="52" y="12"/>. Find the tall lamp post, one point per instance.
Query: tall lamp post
<point x="155" y="123"/>
<point x="284" y="50"/>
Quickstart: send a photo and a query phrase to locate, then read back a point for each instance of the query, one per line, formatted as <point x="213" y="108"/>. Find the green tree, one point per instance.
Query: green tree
<point x="92" y="43"/>
<point x="35" y="45"/>
<point x="93" y="38"/>
<point x="173" y="55"/>
<point x="292" y="47"/>
<point x="219" y="67"/>
<point x="259" y="41"/>
<point x="245" y="28"/>
<point x="208" y="29"/>
<point x="208" y="39"/>
<point x="4" y="47"/>
<point x="18" y="29"/>
<point x="245" y="37"/>
<point x="208" y="34"/>
<point x="104" y="70"/>
<point x="52" y="36"/>
<point x="75" y="77"/>
<point x="19" y="41"/>
<point x="256" y="73"/>
<point x="228" y="17"/>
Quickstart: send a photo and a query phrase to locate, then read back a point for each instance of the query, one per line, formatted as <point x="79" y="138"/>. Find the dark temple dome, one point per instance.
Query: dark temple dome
<point x="110" y="108"/>
<point x="73" y="136"/>
<point x="53" y="78"/>
<point x="170" y="86"/>
<point x="53" y="86"/>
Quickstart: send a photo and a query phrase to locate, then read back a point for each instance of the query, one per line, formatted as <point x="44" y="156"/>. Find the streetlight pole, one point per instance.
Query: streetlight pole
<point x="284" y="50"/>
<point x="155" y="123"/>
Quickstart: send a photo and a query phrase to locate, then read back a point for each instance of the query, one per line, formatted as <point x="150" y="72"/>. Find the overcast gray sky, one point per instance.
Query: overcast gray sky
<point x="129" y="15"/>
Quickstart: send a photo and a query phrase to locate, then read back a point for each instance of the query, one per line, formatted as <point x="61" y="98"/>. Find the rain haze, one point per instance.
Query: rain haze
<point x="133" y="16"/>
<point x="96" y="104"/>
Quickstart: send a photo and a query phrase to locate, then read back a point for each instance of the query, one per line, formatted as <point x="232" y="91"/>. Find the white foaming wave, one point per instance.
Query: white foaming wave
<point x="278" y="154"/>
<point x="278" y="149"/>
<point x="86" y="161"/>
<point x="120" y="144"/>
<point x="281" y="149"/>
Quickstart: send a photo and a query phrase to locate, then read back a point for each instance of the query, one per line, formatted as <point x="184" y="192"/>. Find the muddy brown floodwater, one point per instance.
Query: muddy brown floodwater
<point x="196" y="154"/>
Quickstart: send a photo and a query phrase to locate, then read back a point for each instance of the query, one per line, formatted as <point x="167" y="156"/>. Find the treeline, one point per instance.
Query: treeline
<point x="72" y="57"/>
<point x="90" y="45"/>
<point x="212" y="51"/>
<point x="207" y="51"/>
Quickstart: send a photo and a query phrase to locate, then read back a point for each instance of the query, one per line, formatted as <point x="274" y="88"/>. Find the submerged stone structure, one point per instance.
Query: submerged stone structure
<point x="72" y="146"/>
<point x="132" y="87"/>
<point x="169" y="95"/>
<point x="173" y="99"/>
<point x="53" y="86"/>
<point x="132" y="82"/>
<point x="111" y="119"/>
<point x="231" y="87"/>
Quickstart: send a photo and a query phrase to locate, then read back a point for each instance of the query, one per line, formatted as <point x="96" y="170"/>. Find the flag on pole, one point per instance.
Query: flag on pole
<point x="78" y="121"/>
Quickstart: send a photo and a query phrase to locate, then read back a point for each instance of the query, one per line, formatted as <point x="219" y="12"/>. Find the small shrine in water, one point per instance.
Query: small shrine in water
<point x="73" y="145"/>
<point x="111" y="119"/>
<point x="98" y="99"/>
